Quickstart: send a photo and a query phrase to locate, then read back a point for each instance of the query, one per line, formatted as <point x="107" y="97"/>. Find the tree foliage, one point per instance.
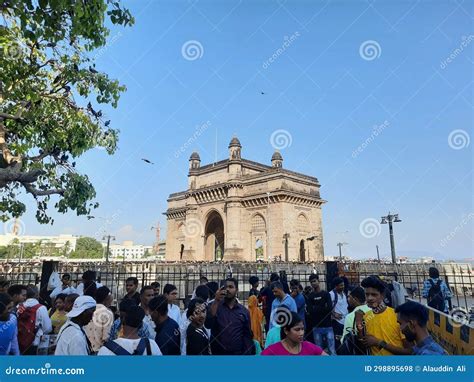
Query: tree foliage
<point x="50" y="97"/>
<point x="87" y="248"/>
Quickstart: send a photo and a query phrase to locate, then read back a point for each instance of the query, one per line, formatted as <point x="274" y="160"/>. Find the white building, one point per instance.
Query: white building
<point x="67" y="242"/>
<point x="129" y="250"/>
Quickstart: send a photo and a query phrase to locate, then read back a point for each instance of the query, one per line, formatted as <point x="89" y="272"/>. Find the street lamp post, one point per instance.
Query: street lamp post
<point x="391" y="219"/>
<point x="268" y="229"/>
<point x="340" y="249"/>
<point x="286" y="237"/>
<point x="311" y="238"/>
<point x="108" y="237"/>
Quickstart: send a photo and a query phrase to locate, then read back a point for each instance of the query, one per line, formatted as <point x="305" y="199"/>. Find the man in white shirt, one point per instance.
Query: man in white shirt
<point x="146" y="295"/>
<point x="42" y="321"/>
<point x="65" y="288"/>
<point x="72" y="339"/>
<point x="171" y="293"/>
<point x="87" y="277"/>
<point x="340" y="310"/>
<point x="131" y="343"/>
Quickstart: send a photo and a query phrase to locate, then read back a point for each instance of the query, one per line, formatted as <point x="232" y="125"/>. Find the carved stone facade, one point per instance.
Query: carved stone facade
<point x="240" y="210"/>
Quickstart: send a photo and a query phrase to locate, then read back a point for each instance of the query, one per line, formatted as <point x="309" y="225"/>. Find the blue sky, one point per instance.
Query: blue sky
<point x="348" y="69"/>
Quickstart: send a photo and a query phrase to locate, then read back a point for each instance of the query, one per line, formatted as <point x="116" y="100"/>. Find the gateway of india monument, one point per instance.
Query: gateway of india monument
<point x="240" y="210"/>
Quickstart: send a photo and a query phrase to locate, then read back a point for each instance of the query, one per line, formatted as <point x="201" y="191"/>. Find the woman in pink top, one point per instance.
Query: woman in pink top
<point x="292" y="343"/>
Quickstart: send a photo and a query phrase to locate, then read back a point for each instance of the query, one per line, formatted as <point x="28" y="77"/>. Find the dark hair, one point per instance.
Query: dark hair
<point x="159" y="304"/>
<point x="5" y="299"/>
<point x="232" y="280"/>
<point x="90" y="288"/>
<point x="126" y="304"/>
<point x="292" y="319"/>
<point x="203" y="278"/>
<point x="101" y="294"/>
<point x="70" y="298"/>
<point x="66" y="276"/>
<point x="313" y="276"/>
<point x="336" y="281"/>
<point x="155" y="284"/>
<point x="89" y="275"/>
<point x="16" y="289"/>
<point x="294" y="283"/>
<point x="276" y="285"/>
<point x="31" y="291"/>
<point x="253" y="280"/>
<point x="412" y="310"/>
<point x="274" y="277"/>
<point x="202" y="292"/>
<point x="168" y="288"/>
<point x="192" y="306"/>
<point x="433" y="272"/>
<point x="61" y="296"/>
<point x="134" y="280"/>
<point x="373" y="282"/>
<point x="145" y="288"/>
<point x="4" y="282"/>
<point x="213" y="286"/>
<point x="358" y="293"/>
<point x="134" y="317"/>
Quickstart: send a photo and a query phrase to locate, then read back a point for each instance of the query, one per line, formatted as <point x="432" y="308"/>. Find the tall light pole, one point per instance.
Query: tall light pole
<point x="286" y="236"/>
<point x="108" y="237"/>
<point x="378" y="254"/>
<point x="391" y="219"/>
<point x="340" y="249"/>
<point x="311" y="238"/>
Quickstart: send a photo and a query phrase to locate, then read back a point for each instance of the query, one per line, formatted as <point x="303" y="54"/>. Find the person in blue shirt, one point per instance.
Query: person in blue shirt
<point x="433" y="280"/>
<point x="299" y="299"/>
<point x="412" y="318"/>
<point x="168" y="336"/>
<point x="281" y="300"/>
<point x="8" y="327"/>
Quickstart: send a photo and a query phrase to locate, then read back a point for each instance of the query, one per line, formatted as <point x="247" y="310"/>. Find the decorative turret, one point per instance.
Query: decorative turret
<point x="194" y="161"/>
<point x="234" y="149"/>
<point x="277" y="160"/>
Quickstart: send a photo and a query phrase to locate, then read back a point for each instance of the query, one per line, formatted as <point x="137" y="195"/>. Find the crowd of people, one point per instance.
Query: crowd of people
<point x="282" y="318"/>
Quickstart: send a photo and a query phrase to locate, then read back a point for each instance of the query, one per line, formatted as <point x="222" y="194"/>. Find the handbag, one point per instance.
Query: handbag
<point x="351" y="345"/>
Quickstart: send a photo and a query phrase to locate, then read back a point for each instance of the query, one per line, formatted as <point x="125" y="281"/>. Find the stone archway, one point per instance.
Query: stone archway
<point x="214" y="237"/>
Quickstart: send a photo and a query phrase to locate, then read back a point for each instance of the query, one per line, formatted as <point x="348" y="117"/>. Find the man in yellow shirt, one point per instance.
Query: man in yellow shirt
<point x="382" y="334"/>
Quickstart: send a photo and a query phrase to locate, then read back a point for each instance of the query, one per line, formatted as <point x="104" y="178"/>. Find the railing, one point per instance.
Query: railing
<point x="185" y="276"/>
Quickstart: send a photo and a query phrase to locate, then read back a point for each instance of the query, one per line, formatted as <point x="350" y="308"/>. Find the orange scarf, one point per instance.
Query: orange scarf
<point x="256" y="319"/>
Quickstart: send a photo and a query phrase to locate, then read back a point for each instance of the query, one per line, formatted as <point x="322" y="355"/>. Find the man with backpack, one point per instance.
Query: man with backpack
<point x="131" y="343"/>
<point x="33" y="322"/>
<point x="436" y="291"/>
<point x="72" y="340"/>
<point x="340" y="308"/>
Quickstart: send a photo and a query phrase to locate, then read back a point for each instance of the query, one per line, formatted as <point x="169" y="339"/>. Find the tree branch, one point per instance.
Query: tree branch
<point x="10" y="116"/>
<point x="35" y="192"/>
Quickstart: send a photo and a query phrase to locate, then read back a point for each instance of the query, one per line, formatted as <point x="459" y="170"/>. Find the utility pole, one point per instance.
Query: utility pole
<point x="108" y="237"/>
<point x="268" y="228"/>
<point x="286" y="236"/>
<point x="391" y="219"/>
<point x="378" y="254"/>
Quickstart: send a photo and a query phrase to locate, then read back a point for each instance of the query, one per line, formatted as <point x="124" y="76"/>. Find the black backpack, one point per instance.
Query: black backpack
<point x="435" y="296"/>
<point x="115" y="348"/>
